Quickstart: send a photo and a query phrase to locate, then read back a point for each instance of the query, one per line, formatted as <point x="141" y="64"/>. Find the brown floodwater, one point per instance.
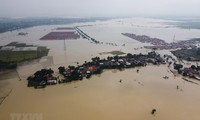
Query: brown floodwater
<point x="102" y="97"/>
<point x="7" y="74"/>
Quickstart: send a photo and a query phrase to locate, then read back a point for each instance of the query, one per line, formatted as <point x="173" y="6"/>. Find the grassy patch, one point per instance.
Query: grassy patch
<point x="116" y="52"/>
<point x="10" y="56"/>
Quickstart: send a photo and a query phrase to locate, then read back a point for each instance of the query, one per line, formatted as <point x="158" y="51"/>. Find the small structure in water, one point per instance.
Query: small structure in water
<point x="22" y="34"/>
<point x="120" y="80"/>
<point x="153" y="111"/>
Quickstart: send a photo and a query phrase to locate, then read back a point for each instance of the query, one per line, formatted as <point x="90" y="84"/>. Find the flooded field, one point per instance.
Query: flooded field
<point x="102" y="97"/>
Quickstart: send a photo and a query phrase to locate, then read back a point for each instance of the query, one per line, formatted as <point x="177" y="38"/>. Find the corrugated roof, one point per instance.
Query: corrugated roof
<point x="8" y="48"/>
<point x="25" y="49"/>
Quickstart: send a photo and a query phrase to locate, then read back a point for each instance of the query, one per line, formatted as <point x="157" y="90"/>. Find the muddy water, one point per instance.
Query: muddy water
<point x="7" y="74"/>
<point x="103" y="97"/>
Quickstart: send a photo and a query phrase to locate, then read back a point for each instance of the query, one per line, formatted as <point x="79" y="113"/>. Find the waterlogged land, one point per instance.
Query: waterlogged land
<point x="112" y="95"/>
<point x="11" y="24"/>
<point x="96" y="66"/>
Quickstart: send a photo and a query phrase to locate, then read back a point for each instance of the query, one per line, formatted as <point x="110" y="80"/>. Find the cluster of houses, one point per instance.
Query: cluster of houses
<point x="72" y="73"/>
<point x="97" y="65"/>
<point x="192" y="71"/>
<point x="42" y="78"/>
<point x="161" y="44"/>
<point x="144" y="38"/>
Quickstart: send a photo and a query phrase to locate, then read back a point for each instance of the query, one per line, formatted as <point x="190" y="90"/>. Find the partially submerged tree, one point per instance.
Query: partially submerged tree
<point x="61" y="69"/>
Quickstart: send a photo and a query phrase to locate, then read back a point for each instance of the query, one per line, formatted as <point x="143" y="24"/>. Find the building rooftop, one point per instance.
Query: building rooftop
<point x="8" y="48"/>
<point x="25" y="49"/>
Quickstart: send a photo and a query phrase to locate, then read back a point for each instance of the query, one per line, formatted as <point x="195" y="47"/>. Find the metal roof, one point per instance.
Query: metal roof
<point x="25" y="49"/>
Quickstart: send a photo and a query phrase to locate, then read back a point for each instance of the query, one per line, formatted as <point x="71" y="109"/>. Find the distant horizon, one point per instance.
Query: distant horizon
<point x="98" y="8"/>
<point x="110" y="17"/>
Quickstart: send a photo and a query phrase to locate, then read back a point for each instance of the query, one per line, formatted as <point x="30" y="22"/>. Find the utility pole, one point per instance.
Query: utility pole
<point x="64" y="47"/>
<point x="174" y="39"/>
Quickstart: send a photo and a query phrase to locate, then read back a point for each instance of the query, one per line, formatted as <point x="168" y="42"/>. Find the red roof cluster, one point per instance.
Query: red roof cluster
<point x="60" y="36"/>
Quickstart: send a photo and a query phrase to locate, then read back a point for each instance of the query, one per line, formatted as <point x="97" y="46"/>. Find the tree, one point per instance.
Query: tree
<point x="109" y="58"/>
<point x="140" y="54"/>
<point x="193" y="67"/>
<point x="178" y="66"/>
<point x="116" y="57"/>
<point x="30" y="78"/>
<point x="61" y="69"/>
<point x="129" y="55"/>
<point x="75" y="75"/>
<point x="38" y="73"/>
<point x="49" y="71"/>
<point x="71" y="67"/>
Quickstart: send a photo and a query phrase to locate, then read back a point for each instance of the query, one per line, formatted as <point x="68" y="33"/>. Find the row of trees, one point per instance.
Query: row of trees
<point x="77" y="73"/>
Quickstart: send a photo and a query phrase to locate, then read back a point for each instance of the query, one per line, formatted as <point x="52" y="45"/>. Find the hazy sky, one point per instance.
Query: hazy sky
<point x="95" y="8"/>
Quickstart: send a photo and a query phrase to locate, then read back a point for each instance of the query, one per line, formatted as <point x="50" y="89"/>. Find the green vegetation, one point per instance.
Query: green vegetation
<point x="40" y="78"/>
<point x="117" y="53"/>
<point x="21" y="52"/>
<point x="17" y="56"/>
<point x="188" y="54"/>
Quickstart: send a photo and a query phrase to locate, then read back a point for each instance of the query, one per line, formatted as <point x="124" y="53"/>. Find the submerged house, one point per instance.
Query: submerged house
<point x="93" y="69"/>
<point x="117" y="62"/>
<point x="190" y="72"/>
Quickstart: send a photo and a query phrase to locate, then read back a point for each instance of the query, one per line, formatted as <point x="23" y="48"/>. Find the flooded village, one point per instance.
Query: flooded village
<point x="161" y="44"/>
<point x="104" y="70"/>
<point x="96" y="66"/>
